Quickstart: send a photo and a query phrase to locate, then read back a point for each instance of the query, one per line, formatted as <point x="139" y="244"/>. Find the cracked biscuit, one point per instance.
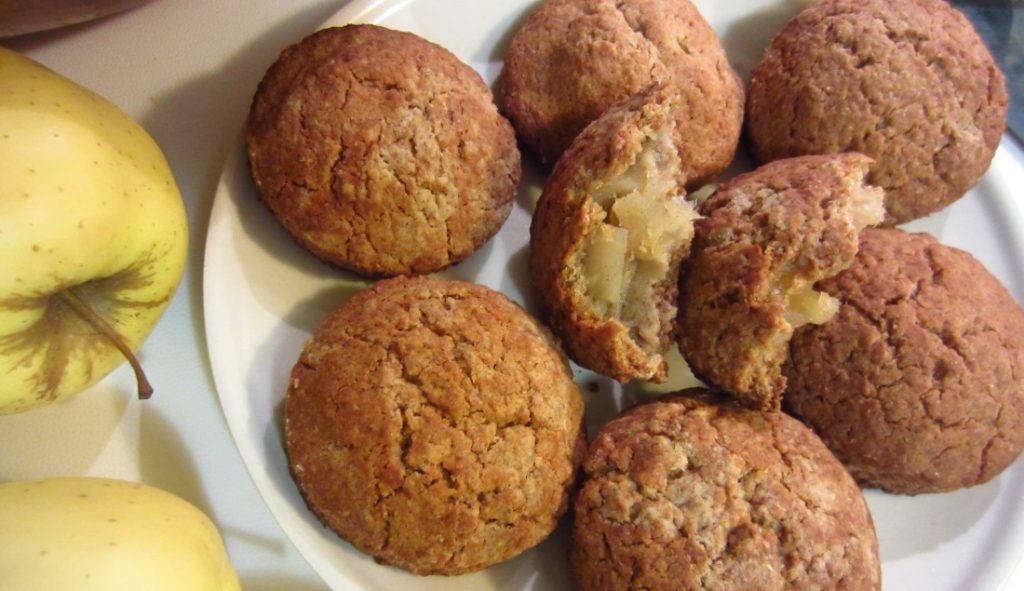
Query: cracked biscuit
<point x="434" y="425"/>
<point x="764" y="239"/>
<point x="907" y="82"/>
<point x="573" y="59"/>
<point x="916" y="385"/>
<point x="381" y="152"/>
<point x="692" y="493"/>
<point x="606" y="240"/>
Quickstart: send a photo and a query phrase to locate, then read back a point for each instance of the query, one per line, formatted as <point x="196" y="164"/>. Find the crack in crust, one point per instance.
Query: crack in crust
<point x="686" y="493"/>
<point x="381" y="152"/>
<point x="923" y="365"/>
<point x="907" y="82"/>
<point x="434" y="425"/>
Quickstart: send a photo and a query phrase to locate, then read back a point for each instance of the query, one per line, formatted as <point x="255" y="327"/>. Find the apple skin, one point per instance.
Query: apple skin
<point x="87" y="202"/>
<point x="99" y="533"/>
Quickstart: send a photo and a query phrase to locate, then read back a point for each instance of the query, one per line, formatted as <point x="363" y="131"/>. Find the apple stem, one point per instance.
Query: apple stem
<point x="97" y="321"/>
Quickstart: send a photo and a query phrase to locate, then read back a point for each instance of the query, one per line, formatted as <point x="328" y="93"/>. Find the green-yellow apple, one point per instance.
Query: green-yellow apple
<point x="91" y="222"/>
<point x="96" y="533"/>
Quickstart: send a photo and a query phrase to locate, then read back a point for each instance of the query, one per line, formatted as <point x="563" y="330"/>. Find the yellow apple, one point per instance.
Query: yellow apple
<point x="98" y="533"/>
<point x="91" y="221"/>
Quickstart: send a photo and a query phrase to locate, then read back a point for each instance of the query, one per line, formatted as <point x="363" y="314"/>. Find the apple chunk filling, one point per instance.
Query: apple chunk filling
<point x="804" y="304"/>
<point x="644" y="233"/>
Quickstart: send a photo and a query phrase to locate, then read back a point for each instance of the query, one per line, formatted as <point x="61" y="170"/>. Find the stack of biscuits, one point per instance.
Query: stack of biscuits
<point x="435" y="424"/>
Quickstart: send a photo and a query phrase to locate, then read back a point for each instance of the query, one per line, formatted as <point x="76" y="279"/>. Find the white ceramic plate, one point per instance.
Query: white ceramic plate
<point x="264" y="296"/>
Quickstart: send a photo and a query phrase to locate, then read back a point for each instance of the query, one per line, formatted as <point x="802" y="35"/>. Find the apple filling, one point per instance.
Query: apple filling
<point x="804" y="304"/>
<point x="630" y="254"/>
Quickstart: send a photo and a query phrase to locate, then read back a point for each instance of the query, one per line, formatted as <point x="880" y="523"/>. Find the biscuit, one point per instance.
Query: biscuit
<point x="907" y="82"/>
<point x="916" y="384"/>
<point x="573" y="59"/>
<point x="434" y="425"/>
<point x="764" y="239"/>
<point x="682" y="493"/>
<point x="607" y="237"/>
<point x="381" y="152"/>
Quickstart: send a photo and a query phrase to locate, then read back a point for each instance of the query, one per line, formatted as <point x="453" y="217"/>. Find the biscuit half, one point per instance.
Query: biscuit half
<point x="763" y="241"/>
<point x="607" y="238"/>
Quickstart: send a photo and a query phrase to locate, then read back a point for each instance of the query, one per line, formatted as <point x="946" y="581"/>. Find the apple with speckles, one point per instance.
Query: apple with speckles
<point x="93" y="236"/>
<point x="85" y="533"/>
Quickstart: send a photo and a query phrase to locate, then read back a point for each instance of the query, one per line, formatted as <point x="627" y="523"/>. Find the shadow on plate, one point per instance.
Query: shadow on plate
<point x="542" y="568"/>
<point x="532" y="184"/>
<point x="517" y="279"/>
<point x="270" y="581"/>
<point x="910" y="525"/>
<point x="747" y="37"/>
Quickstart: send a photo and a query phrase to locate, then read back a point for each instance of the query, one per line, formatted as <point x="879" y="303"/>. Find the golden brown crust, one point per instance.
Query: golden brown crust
<point x="907" y="82"/>
<point x="787" y="221"/>
<point x="567" y="214"/>
<point x="687" y="494"/>
<point x="434" y="425"/>
<point x="380" y="151"/>
<point x="917" y="383"/>
<point x="573" y="59"/>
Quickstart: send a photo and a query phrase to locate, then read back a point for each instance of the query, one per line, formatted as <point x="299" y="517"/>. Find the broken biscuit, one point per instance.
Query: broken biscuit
<point x="765" y="239"/>
<point x="607" y="238"/>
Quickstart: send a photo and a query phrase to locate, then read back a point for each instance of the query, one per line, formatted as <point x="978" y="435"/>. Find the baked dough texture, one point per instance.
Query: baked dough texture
<point x="908" y="82"/>
<point x="765" y="238"/>
<point x="688" y="493"/>
<point x="573" y="59"/>
<point x="607" y="238"/>
<point x="917" y="385"/>
<point x="381" y="152"/>
<point x="434" y="425"/>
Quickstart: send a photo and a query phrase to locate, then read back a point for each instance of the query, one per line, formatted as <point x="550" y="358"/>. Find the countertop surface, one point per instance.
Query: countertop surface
<point x="186" y="70"/>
